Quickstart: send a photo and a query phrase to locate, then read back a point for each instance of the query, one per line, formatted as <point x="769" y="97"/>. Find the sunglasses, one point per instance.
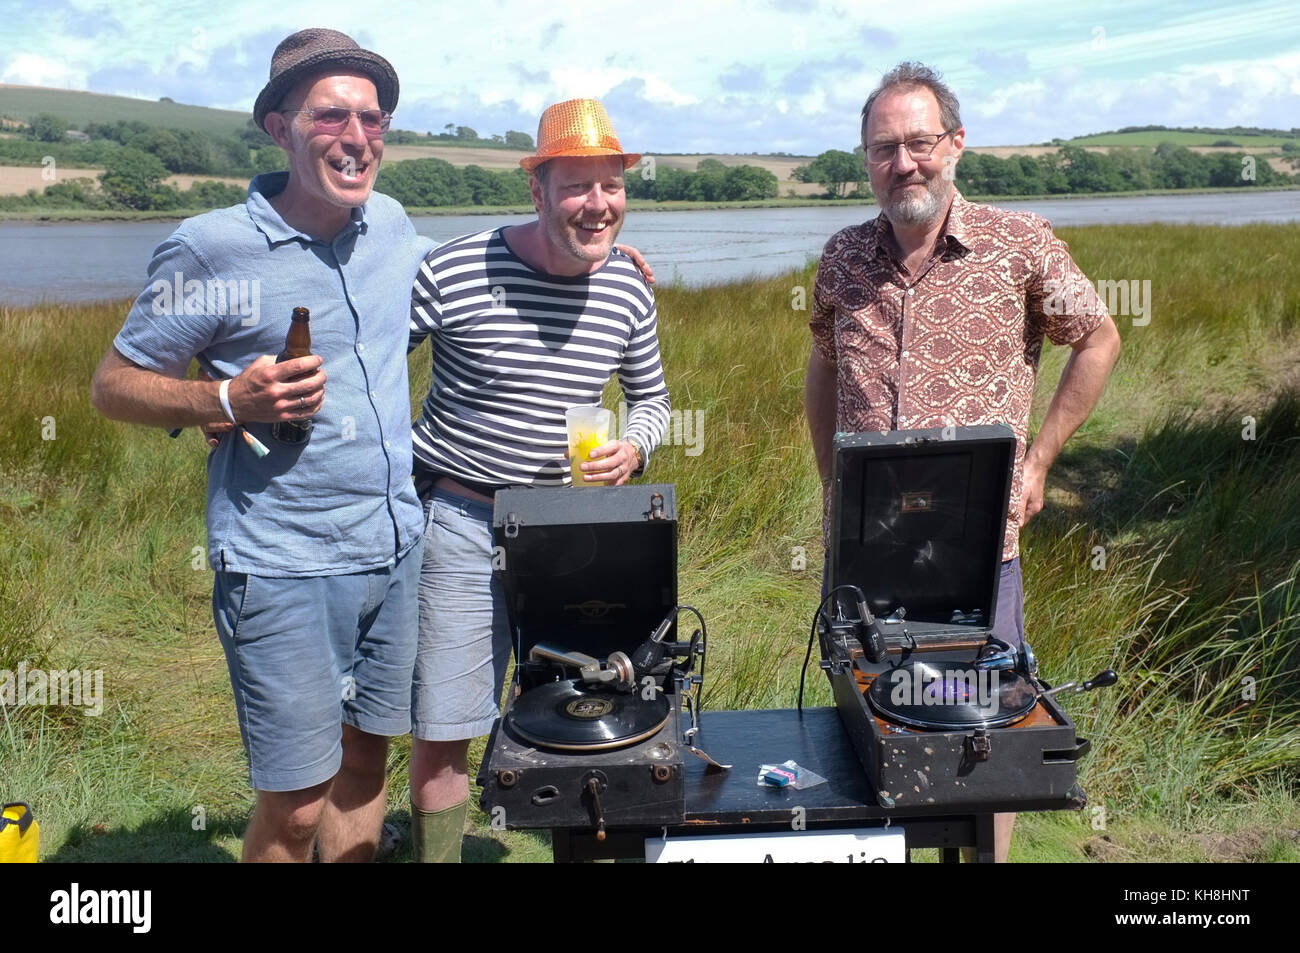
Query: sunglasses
<point x="334" y="119"/>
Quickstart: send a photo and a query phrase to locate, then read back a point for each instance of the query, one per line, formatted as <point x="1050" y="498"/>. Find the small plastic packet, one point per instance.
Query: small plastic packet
<point x="788" y="774"/>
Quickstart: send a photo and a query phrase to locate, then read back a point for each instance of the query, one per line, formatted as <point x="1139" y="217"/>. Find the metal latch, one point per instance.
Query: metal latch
<point x="512" y="524"/>
<point x="978" y="745"/>
<point x="656" y="506"/>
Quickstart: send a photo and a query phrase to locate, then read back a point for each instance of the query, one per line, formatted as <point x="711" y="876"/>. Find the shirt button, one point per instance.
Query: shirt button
<point x="361" y="347"/>
<point x="904" y="354"/>
<point x="387" y="445"/>
<point x="911" y="291"/>
<point x="374" y="396"/>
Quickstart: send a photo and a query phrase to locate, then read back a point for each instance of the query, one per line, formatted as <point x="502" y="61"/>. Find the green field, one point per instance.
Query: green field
<point x="1155" y="137"/>
<point x="1195" y="754"/>
<point x="79" y="107"/>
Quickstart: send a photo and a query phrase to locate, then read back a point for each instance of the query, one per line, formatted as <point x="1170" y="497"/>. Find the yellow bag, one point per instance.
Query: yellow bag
<point x="19" y="834"/>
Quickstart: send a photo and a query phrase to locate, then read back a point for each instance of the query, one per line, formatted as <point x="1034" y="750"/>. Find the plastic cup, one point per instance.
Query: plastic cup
<point x="588" y="428"/>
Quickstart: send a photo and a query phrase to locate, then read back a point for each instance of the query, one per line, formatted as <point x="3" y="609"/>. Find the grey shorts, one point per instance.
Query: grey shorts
<point x="464" y="646"/>
<point x="1009" y="615"/>
<point x="307" y="656"/>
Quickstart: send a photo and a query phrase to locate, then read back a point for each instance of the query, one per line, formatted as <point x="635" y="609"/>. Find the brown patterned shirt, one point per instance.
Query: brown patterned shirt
<point x="958" y="343"/>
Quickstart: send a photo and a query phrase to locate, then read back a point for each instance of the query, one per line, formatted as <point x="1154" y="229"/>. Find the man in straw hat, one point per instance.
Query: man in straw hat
<point x="316" y="545"/>
<point x="525" y="322"/>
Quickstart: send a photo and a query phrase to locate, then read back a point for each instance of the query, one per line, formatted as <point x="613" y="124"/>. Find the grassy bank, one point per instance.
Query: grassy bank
<point x="1194" y="600"/>
<point x="68" y="215"/>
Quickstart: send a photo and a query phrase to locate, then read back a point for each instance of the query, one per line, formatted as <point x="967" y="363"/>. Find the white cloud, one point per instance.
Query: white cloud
<point x="702" y="76"/>
<point x="31" y="69"/>
<point x="580" y="81"/>
<point x="1243" y="92"/>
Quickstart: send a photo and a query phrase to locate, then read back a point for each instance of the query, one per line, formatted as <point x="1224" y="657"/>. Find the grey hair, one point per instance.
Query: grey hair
<point x="909" y="76"/>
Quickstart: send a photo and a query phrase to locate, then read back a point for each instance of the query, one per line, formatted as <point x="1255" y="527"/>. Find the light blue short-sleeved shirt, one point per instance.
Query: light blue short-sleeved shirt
<point x="222" y="288"/>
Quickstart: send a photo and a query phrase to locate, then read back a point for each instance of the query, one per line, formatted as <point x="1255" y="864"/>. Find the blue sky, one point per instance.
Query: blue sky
<point x="705" y="76"/>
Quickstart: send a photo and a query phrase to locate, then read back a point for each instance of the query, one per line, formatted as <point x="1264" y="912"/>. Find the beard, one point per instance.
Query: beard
<point x="911" y="210"/>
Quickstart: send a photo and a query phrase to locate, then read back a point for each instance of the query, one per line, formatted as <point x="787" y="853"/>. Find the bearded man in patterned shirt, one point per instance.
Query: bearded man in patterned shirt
<point x="933" y="314"/>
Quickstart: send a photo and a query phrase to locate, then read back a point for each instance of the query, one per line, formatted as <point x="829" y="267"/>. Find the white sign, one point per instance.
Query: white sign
<point x="872" y="845"/>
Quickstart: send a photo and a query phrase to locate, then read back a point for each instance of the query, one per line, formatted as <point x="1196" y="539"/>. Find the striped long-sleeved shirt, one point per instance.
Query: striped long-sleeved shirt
<point x="514" y="347"/>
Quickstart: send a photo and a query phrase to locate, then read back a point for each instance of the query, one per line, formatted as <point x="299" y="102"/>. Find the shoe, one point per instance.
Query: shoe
<point x="390" y="839"/>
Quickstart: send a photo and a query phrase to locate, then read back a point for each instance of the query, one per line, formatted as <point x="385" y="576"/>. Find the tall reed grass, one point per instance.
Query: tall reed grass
<point x="1196" y="603"/>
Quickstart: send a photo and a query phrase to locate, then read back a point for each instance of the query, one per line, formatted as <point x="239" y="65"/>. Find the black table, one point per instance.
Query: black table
<point x="730" y="802"/>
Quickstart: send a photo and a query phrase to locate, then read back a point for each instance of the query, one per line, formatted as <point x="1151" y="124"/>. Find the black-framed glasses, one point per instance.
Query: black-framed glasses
<point x="919" y="147"/>
<point x="334" y="119"/>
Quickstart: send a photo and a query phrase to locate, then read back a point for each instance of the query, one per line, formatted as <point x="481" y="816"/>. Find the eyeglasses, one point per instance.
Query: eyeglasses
<point x="922" y="147"/>
<point x="334" y="119"/>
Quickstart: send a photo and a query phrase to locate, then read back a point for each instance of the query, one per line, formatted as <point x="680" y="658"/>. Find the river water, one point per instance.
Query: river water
<point x="85" y="261"/>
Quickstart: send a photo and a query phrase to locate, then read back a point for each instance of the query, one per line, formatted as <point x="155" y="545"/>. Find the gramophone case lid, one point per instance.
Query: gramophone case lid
<point x="587" y="569"/>
<point x="918" y="518"/>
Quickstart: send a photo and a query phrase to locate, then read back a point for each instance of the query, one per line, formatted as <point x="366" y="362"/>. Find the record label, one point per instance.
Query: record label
<point x="589" y="707"/>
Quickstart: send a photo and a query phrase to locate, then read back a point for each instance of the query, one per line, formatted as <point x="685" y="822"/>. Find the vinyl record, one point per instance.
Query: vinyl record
<point x="569" y="716"/>
<point x="949" y="696"/>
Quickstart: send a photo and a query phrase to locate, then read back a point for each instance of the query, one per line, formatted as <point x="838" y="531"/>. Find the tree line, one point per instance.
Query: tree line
<point x="1204" y="130"/>
<point x="426" y="183"/>
<point x="131" y="180"/>
<point x="463" y="136"/>
<point x="712" y="181"/>
<point x="1069" y="170"/>
<point x="137" y="157"/>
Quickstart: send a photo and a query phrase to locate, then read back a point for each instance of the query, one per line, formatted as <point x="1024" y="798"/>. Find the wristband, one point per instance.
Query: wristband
<point x="223" y="392"/>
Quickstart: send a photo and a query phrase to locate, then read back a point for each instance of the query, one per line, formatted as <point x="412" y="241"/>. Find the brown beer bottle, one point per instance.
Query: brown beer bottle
<point x="297" y="343"/>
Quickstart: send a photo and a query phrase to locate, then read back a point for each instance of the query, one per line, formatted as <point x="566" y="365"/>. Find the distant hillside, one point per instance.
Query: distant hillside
<point x="1196" y="136"/>
<point x="79" y="107"/>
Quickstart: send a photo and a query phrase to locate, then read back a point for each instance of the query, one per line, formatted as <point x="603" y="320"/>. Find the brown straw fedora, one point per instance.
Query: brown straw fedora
<point x="316" y="50"/>
<point x="577" y="127"/>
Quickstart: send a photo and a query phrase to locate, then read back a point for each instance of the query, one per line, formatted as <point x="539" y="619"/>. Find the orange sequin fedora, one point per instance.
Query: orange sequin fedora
<point x="577" y="127"/>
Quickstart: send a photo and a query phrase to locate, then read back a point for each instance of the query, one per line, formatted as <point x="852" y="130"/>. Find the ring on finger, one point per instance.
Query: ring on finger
<point x="302" y="403"/>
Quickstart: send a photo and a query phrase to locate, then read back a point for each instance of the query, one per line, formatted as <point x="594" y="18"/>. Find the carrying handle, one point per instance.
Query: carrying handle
<point x="23" y="822"/>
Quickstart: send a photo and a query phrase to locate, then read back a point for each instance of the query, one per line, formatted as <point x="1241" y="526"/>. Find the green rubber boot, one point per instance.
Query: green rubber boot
<point x="438" y="833"/>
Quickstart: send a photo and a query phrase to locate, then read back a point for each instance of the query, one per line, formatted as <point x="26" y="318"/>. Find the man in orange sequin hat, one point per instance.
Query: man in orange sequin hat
<point x="526" y="321"/>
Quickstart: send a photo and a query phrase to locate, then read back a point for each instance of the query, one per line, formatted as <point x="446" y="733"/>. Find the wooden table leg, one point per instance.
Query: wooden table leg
<point x="561" y="850"/>
<point x="984" y="838"/>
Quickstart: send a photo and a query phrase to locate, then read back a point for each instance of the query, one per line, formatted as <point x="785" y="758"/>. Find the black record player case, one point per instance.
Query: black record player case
<point x="917" y="524"/>
<point x="593" y="571"/>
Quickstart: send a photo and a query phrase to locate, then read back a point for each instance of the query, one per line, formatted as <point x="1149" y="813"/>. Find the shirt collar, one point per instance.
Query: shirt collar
<point x="956" y="229"/>
<point x="955" y="232"/>
<point x="268" y="220"/>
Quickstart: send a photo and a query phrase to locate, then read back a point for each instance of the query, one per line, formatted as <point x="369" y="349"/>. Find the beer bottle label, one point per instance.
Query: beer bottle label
<point x="291" y="431"/>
